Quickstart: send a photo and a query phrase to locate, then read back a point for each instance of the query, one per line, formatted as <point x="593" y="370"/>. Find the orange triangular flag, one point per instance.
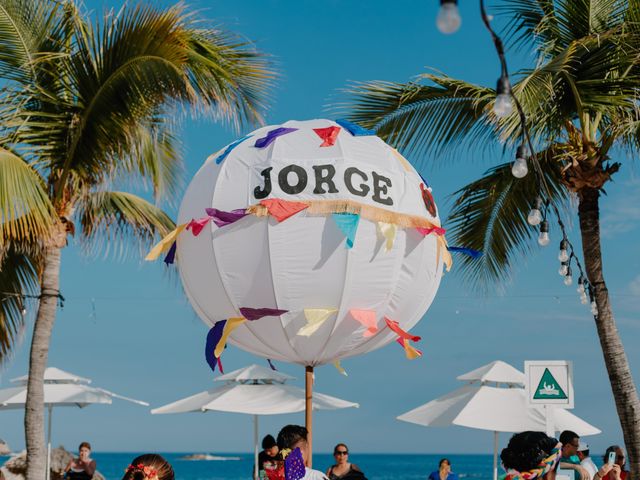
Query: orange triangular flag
<point x="283" y="209"/>
<point x="411" y="352"/>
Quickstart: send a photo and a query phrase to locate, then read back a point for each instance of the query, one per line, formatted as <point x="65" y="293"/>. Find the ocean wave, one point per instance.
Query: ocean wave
<point x="207" y="458"/>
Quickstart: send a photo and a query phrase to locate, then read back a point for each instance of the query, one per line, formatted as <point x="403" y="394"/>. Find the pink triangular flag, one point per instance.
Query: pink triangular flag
<point x="366" y="318"/>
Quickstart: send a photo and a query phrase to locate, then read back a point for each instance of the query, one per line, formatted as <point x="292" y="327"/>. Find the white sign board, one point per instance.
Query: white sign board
<point x="549" y="382"/>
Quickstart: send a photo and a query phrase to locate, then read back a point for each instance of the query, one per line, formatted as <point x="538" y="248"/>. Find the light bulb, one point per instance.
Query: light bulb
<point x="23" y="311"/>
<point x="448" y="20"/>
<point x="503" y="105"/>
<point x="580" y="288"/>
<point x="563" y="256"/>
<point x="563" y="269"/>
<point x="519" y="168"/>
<point x="543" y="239"/>
<point x="535" y="215"/>
<point x="568" y="280"/>
<point x="594" y="308"/>
<point x="583" y="298"/>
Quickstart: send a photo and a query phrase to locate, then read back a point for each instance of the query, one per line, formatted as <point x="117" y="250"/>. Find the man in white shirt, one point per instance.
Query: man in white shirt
<point x="585" y="459"/>
<point x="295" y="436"/>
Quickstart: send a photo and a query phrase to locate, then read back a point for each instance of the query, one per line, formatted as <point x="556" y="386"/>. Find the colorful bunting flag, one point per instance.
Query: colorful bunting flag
<point x="348" y="224"/>
<point x="366" y="318"/>
<point x="339" y="368"/>
<point x="165" y="244"/>
<point x="403" y="161"/>
<point x="222" y="218"/>
<point x="411" y="352"/>
<point x="354" y="129"/>
<point x="424" y="231"/>
<point x="272" y="135"/>
<point x="388" y="231"/>
<point x="220" y="158"/>
<point x="467" y="251"/>
<point x="395" y="327"/>
<point x="213" y="337"/>
<point x="328" y="134"/>
<point x="230" y="325"/>
<point x="294" y="468"/>
<point x="273" y="367"/>
<point x="196" y="226"/>
<point x="171" y="255"/>
<point x="427" y="198"/>
<point x="283" y="209"/>
<point x="315" y="318"/>
<point x="220" y="365"/>
<point x="257" y="313"/>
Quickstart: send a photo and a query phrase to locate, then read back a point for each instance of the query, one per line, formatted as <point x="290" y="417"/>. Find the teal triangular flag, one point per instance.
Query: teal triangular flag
<point x="348" y="224"/>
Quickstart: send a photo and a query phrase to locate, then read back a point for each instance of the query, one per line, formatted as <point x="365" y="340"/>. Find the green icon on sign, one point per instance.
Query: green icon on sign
<point x="548" y="388"/>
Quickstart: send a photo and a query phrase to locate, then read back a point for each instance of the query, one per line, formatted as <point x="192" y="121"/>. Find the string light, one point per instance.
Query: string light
<point x="448" y="20"/>
<point x="563" y="269"/>
<point x="502" y="107"/>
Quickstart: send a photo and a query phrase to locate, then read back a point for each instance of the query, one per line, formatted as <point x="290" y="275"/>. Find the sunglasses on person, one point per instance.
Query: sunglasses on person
<point x="341" y="452"/>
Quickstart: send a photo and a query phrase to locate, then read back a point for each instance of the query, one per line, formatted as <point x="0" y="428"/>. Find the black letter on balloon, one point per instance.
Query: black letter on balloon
<point x="329" y="171"/>
<point x="380" y="185"/>
<point x="348" y="173"/>
<point x="264" y="193"/>
<point x="283" y="179"/>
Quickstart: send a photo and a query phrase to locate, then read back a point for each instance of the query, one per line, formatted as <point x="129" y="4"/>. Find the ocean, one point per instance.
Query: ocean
<point x="239" y="466"/>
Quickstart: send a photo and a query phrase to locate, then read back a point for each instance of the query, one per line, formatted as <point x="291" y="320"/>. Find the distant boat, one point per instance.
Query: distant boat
<point x="208" y="457"/>
<point x="4" y="448"/>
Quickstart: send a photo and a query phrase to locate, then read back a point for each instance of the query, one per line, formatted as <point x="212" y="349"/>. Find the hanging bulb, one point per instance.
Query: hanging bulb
<point x="543" y="239"/>
<point x="535" y="215"/>
<point x="563" y="256"/>
<point x="583" y="298"/>
<point x="594" y="307"/>
<point x="568" y="280"/>
<point x="503" y="105"/>
<point x="448" y="20"/>
<point x="23" y="311"/>
<point x="519" y="168"/>
<point x="580" y="288"/>
<point x="563" y="269"/>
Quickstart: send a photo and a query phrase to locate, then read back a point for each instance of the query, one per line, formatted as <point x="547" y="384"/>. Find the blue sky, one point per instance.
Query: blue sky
<point x="126" y="325"/>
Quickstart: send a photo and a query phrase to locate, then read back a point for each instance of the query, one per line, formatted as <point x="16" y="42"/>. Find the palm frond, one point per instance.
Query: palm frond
<point x="26" y="213"/>
<point x="109" y="219"/>
<point x="20" y="276"/>
<point x="490" y="215"/>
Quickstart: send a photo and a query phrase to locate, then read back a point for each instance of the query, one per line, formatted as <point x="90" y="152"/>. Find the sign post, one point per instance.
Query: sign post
<point x="549" y="383"/>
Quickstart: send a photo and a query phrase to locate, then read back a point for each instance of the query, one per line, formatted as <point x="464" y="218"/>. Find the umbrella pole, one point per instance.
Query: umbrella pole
<point x="255" y="448"/>
<point x="49" y="444"/>
<point x="308" y="414"/>
<point x="495" y="455"/>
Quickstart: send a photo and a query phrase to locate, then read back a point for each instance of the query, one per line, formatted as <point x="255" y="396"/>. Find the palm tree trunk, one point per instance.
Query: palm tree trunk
<point x="34" y="408"/>
<point x="615" y="358"/>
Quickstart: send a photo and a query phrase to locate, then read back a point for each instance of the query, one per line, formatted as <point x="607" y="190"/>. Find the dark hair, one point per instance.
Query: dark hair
<point x="84" y="444"/>
<point x="335" y="449"/>
<point x="567" y="436"/>
<point x="268" y="442"/>
<point x="526" y="450"/>
<point x="585" y="452"/>
<point x="610" y="449"/>
<point x="290" y="435"/>
<point x="156" y="462"/>
<point x="442" y="460"/>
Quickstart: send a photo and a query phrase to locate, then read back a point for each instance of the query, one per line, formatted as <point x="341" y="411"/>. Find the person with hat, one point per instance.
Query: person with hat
<point x="585" y="459"/>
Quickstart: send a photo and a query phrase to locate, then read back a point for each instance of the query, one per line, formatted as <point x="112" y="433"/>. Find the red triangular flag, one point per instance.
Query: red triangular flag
<point x="395" y="326"/>
<point x="282" y="209"/>
<point x="328" y="134"/>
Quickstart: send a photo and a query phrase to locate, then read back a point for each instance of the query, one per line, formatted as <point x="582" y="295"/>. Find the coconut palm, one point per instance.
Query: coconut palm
<point x="581" y="102"/>
<point x="85" y="107"/>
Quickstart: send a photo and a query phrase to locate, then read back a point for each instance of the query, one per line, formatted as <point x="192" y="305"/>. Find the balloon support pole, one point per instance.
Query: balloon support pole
<point x="308" y="414"/>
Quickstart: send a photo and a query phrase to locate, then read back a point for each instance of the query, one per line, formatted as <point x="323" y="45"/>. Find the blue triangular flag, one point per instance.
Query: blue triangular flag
<point x="213" y="337"/>
<point x="354" y="129"/>
<point x="348" y="224"/>
<point x="467" y="251"/>
<point x="220" y="158"/>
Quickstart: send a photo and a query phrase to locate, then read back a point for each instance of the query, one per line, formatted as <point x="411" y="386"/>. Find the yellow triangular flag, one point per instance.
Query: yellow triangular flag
<point x="405" y="163"/>
<point x="164" y="244"/>
<point x="230" y="326"/>
<point x="315" y="317"/>
<point x="388" y="231"/>
<point x="444" y="251"/>
<point x="339" y="368"/>
<point x="411" y="352"/>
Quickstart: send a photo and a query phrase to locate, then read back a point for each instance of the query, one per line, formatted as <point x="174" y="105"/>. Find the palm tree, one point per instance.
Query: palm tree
<point x="581" y="100"/>
<point x="87" y="106"/>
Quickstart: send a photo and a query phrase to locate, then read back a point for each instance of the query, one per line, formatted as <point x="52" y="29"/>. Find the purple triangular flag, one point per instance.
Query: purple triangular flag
<point x="272" y="135"/>
<point x="222" y="218"/>
<point x="257" y="313"/>
<point x="171" y="254"/>
<point x="213" y="337"/>
<point x="294" y="465"/>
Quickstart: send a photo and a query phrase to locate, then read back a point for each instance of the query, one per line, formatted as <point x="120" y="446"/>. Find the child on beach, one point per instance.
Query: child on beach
<point x="149" y="466"/>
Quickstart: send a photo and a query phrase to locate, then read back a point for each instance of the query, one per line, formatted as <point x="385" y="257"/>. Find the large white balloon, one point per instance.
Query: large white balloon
<point x="303" y="262"/>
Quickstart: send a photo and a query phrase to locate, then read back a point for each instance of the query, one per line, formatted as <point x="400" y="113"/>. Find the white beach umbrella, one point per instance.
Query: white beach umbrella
<point x="485" y="407"/>
<point x="61" y="389"/>
<point x="497" y="372"/>
<point x="253" y="390"/>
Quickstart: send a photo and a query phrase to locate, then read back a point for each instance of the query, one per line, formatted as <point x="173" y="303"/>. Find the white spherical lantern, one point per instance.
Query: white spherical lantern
<point x="365" y="238"/>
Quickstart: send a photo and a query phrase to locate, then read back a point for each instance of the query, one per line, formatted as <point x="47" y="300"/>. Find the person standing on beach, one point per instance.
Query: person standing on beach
<point x="585" y="460"/>
<point x="269" y="456"/>
<point x="149" y="466"/>
<point x="444" y="471"/>
<point x="531" y="455"/>
<point x="617" y="472"/>
<point x="83" y="467"/>
<point x="295" y="436"/>
<point x="570" y="443"/>
<point x="343" y="469"/>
